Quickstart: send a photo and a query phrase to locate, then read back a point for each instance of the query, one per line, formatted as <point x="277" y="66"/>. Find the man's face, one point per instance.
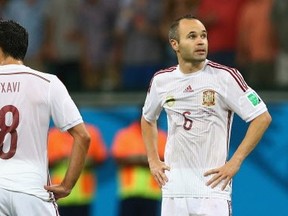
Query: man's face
<point x="193" y="44"/>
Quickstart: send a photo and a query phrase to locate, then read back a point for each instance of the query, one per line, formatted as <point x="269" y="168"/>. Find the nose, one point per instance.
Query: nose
<point x="200" y="40"/>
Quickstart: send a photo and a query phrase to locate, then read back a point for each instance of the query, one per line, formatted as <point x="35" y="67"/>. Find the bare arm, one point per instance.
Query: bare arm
<point x="157" y="167"/>
<point x="76" y="163"/>
<point x="253" y="135"/>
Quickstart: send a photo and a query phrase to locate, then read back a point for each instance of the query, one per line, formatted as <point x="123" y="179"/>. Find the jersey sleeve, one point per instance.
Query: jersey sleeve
<point x="242" y="99"/>
<point x="152" y="106"/>
<point x="64" y="112"/>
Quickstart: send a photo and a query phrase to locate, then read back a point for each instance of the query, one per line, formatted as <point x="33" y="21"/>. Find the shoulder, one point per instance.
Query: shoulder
<point x="49" y="82"/>
<point x="228" y="73"/>
<point x="28" y="73"/>
<point x="220" y="67"/>
<point x="163" y="75"/>
<point x="163" y="72"/>
<point x="41" y="75"/>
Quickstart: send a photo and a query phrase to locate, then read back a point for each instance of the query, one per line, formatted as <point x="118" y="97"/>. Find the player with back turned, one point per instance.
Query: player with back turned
<point x="29" y="99"/>
<point x="200" y="98"/>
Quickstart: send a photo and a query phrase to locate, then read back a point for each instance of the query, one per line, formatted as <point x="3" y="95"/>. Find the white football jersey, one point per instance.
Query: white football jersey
<point x="29" y="99"/>
<point x="200" y="108"/>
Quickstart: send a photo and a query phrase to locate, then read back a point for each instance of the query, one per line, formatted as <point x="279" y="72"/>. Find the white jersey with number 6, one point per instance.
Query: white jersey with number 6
<point x="28" y="101"/>
<point x="200" y="108"/>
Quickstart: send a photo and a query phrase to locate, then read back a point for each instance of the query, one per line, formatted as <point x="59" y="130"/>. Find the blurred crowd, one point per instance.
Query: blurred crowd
<point x="117" y="45"/>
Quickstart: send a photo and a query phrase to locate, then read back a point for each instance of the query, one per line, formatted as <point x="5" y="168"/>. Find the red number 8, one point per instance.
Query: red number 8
<point x="8" y="129"/>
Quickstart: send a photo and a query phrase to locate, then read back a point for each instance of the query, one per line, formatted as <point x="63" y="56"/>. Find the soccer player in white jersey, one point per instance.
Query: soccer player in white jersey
<point x="28" y="99"/>
<point x="200" y="98"/>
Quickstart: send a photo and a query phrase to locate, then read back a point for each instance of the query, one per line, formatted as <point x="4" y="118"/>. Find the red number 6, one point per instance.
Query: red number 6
<point x="187" y="125"/>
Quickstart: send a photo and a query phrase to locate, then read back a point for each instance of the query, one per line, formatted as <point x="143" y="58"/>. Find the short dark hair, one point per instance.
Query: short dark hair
<point x="13" y="39"/>
<point x="173" y="31"/>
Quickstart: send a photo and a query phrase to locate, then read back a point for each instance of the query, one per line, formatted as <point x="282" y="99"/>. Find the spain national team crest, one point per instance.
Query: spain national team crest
<point x="208" y="98"/>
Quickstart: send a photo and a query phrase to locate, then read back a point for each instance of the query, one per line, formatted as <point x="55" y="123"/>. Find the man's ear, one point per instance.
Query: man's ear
<point x="2" y="56"/>
<point x="174" y="44"/>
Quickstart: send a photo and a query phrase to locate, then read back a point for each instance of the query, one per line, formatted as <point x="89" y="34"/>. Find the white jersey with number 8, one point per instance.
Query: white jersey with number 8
<point x="28" y="101"/>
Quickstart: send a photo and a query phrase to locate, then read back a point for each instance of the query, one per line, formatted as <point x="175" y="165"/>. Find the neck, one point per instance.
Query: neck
<point x="189" y="67"/>
<point x="10" y="60"/>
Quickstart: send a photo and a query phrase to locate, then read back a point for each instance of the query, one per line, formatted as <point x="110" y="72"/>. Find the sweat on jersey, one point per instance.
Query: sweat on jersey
<point x="200" y="108"/>
<point x="29" y="99"/>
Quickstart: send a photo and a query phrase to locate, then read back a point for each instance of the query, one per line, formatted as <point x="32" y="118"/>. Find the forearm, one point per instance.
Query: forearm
<point x="253" y="135"/>
<point x="77" y="160"/>
<point x="150" y="138"/>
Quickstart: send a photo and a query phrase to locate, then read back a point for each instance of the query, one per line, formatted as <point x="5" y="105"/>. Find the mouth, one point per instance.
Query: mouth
<point x="200" y="51"/>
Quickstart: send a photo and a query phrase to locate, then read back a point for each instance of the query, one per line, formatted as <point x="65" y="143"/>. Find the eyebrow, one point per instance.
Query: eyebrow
<point x="203" y="31"/>
<point x="194" y="32"/>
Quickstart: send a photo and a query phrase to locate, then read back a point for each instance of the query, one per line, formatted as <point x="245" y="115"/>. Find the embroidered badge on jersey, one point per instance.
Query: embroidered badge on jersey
<point x="208" y="98"/>
<point x="254" y="98"/>
<point x="170" y="100"/>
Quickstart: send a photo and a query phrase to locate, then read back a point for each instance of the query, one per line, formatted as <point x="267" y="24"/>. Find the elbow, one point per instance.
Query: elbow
<point x="86" y="139"/>
<point x="144" y="121"/>
<point x="81" y="136"/>
<point x="266" y="119"/>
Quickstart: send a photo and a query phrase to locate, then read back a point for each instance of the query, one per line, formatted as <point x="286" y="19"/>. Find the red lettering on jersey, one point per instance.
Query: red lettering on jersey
<point x="10" y="87"/>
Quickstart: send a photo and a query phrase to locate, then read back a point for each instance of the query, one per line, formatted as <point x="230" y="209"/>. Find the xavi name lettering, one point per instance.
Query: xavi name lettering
<point x="9" y="87"/>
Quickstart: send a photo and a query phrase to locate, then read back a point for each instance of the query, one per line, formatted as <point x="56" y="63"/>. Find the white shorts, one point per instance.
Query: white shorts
<point x="20" y="204"/>
<point x="195" y="207"/>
